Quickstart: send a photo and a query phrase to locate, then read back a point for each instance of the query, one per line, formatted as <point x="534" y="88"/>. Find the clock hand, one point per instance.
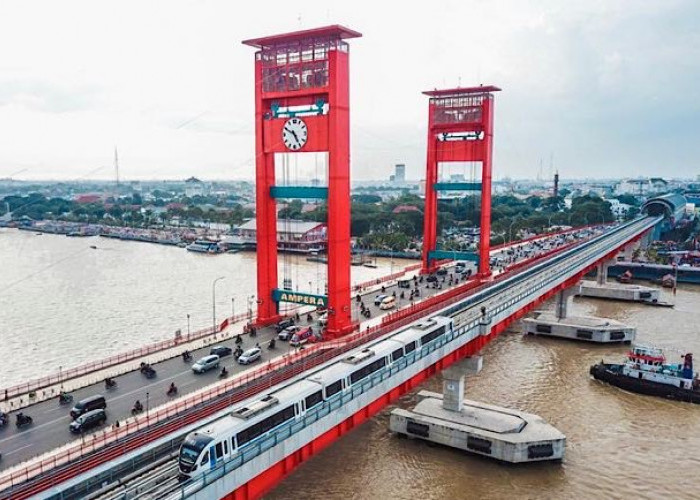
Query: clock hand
<point x="295" y="135"/>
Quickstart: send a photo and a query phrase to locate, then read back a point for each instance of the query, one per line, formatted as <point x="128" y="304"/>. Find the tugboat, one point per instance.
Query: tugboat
<point x="645" y="371"/>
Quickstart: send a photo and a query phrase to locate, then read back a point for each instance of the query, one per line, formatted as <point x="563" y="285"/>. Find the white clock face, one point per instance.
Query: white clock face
<point x="294" y="134"/>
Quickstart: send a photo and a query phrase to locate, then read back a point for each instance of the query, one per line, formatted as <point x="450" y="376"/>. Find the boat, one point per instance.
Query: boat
<point x="94" y="247"/>
<point x="204" y="246"/>
<point x="371" y="264"/>
<point x="645" y="371"/>
<point x="625" y="277"/>
<point x="667" y="281"/>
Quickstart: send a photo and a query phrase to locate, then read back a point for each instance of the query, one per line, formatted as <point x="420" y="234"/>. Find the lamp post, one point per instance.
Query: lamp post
<point x="250" y="308"/>
<point x="510" y="229"/>
<point x="188" y="326"/>
<point x="147" y="406"/>
<point x="213" y="303"/>
<point x="233" y="308"/>
<point x="60" y="376"/>
<point x="311" y="290"/>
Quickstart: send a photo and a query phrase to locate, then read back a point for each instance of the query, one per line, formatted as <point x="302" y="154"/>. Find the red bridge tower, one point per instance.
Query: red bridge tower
<point x="302" y="105"/>
<point x="460" y="129"/>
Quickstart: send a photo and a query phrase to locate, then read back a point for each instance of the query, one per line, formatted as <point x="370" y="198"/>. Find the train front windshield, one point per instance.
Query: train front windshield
<point x="191" y="448"/>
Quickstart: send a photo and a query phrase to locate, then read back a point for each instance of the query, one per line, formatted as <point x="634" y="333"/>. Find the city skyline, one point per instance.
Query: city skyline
<point x="585" y="87"/>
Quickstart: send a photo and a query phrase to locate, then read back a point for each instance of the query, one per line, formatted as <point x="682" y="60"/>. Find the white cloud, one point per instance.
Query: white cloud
<point x="171" y="84"/>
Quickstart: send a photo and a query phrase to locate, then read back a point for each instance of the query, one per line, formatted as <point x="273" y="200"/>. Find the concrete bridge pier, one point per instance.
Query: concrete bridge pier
<point x="602" y="271"/>
<point x="453" y="381"/>
<point x="563" y="300"/>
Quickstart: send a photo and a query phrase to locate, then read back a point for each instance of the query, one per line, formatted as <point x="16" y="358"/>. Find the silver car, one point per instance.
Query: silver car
<point x="206" y="363"/>
<point x="250" y="355"/>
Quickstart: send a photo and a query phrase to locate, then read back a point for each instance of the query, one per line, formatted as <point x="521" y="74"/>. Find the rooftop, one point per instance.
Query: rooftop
<point x="481" y="89"/>
<point x="332" y="31"/>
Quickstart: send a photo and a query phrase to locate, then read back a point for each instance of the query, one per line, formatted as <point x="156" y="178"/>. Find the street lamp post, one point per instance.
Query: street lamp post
<point x="250" y="308"/>
<point x="510" y="229"/>
<point x="233" y="308"/>
<point x="147" y="406"/>
<point x="188" y="326"/>
<point x="213" y="303"/>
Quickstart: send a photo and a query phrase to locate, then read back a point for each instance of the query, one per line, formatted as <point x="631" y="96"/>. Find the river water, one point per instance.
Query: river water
<point x="63" y="303"/>
<point x="619" y="445"/>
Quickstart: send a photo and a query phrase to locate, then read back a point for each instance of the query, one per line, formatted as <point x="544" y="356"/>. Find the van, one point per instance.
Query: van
<point x="388" y="303"/>
<point x="302" y="337"/>
<point x="206" y="363"/>
<point x="97" y="402"/>
<point x="404" y="283"/>
<point x="88" y="420"/>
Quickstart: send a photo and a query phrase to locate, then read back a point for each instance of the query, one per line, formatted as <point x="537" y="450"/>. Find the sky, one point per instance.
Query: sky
<point x="593" y="89"/>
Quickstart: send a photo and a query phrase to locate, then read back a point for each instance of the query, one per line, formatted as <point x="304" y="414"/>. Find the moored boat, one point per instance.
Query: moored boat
<point x="645" y="371"/>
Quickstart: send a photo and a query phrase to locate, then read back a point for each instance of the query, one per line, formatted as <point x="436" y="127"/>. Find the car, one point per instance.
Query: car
<point x="285" y="323"/>
<point x="250" y="355"/>
<point x="287" y="333"/>
<point x="303" y="336"/>
<point x="431" y="278"/>
<point x="323" y="319"/>
<point x="442" y="271"/>
<point x="96" y="402"/>
<point x="87" y="421"/>
<point x="221" y="350"/>
<point x="388" y="303"/>
<point x="378" y="299"/>
<point x="404" y="283"/>
<point x="206" y="363"/>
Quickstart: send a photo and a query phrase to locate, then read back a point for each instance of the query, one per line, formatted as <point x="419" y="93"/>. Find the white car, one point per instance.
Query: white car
<point x="250" y="355"/>
<point x="323" y="319"/>
<point x="206" y="363"/>
<point x="288" y="332"/>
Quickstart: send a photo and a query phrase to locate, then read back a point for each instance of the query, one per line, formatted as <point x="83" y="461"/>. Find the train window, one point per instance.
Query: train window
<point x="263" y="426"/>
<point x="205" y="459"/>
<point x="397" y="354"/>
<point x="226" y="447"/>
<point x="313" y="399"/>
<point x="410" y="347"/>
<point x="429" y="337"/>
<point x="333" y="388"/>
<point x="219" y="450"/>
<point x="367" y="370"/>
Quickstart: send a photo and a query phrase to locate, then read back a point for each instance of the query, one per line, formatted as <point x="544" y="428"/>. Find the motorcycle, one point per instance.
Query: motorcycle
<point x="186" y="356"/>
<point x="147" y="370"/>
<point x="172" y="390"/>
<point x="224" y="373"/>
<point x="239" y="340"/>
<point x="137" y="408"/>
<point x="23" y="420"/>
<point x="110" y="383"/>
<point x="271" y="344"/>
<point x="3" y="419"/>
<point x="237" y="353"/>
<point x="64" y="398"/>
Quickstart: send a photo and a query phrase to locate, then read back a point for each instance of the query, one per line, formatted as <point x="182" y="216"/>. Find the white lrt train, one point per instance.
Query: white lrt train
<point x="209" y="446"/>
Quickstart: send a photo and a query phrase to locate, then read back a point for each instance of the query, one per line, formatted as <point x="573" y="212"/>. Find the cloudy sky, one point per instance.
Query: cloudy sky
<point x="603" y="87"/>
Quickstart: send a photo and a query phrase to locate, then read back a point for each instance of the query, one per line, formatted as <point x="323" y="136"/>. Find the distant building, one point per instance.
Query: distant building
<point x="405" y="208"/>
<point x="643" y="186"/>
<point x="292" y="236"/>
<point x="194" y="187"/>
<point x="400" y="172"/>
<point x="88" y="198"/>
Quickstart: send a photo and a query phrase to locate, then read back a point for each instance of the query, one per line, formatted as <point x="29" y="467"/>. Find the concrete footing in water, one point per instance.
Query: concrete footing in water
<point x="488" y="430"/>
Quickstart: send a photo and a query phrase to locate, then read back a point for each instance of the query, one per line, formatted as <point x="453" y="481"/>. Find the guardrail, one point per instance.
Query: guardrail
<point x="189" y="407"/>
<point x="79" y="371"/>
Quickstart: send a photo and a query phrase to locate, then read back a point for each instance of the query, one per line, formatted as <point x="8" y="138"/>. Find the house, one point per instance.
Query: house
<point x="405" y="208"/>
<point x="194" y="187"/>
<point x="292" y="236"/>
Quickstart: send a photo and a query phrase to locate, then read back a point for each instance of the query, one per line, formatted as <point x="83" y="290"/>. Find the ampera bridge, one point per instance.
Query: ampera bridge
<point x="296" y="404"/>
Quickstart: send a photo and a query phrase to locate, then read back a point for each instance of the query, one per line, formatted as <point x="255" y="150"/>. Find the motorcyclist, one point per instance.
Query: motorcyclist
<point x="109" y="382"/>
<point x="239" y="340"/>
<point x="224" y="372"/>
<point x="271" y="344"/>
<point x="172" y="389"/>
<point x="138" y="406"/>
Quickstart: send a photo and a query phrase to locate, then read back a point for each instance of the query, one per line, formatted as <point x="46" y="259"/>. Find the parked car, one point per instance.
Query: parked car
<point x="88" y="421"/>
<point x="250" y="355"/>
<point x="221" y="350"/>
<point x="285" y="323"/>
<point x="378" y="299"/>
<point x="287" y="333"/>
<point x="97" y="402"/>
<point x="206" y="363"/>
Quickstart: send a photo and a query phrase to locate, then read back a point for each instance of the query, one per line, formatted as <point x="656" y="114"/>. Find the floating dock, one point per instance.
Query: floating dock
<point x="492" y="431"/>
<point x="618" y="291"/>
<point x="586" y="328"/>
